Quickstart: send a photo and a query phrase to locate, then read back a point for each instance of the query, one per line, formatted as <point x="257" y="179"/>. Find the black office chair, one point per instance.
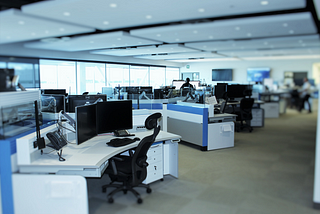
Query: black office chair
<point x="244" y="114"/>
<point x="131" y="170"/>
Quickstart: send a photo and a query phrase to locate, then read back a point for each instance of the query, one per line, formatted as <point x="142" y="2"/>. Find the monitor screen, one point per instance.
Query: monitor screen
<point x="238" y="91"/>
<point x="257" y="74"/>
<point x="85" y="123"/>
<point x="114" y="115"/>
<point x="221" y="74"/>
<point x="53" y="91"/>
<point x="219" y="90"/>
<point x="79" y="100"/>
<point x="52" y="103"/>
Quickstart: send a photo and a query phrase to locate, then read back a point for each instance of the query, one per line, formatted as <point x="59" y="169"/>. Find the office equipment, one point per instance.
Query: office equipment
<point x="8" y="82"/>
<point x="238" y="91"/>
<point x="219" y="90"/>
<point x="56" y="139"/>
<point x="108" y="91"/>
<point x="257" y="74"/>
<point x="78" y="100"/>
<point x="245" y="114"/>
<point x="222" y="74"/>
<point x="86" y="124"/>
<point x="40" y="142"/>
<point x="121" y="141"/>
<point x="53" y="91"/>
<point x="131" y="170"/>
<point x="53" y="103"/>
<point x="114" y="116"/>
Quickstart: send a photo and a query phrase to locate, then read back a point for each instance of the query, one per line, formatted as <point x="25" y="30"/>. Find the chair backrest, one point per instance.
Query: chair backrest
<point x="139" y="159"/>
<point x="246" y="107"/>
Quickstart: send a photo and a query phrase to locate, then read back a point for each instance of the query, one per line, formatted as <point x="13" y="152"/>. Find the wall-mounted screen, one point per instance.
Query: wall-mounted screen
<point x="257" y="74"/>
<point x="222" y="74"/>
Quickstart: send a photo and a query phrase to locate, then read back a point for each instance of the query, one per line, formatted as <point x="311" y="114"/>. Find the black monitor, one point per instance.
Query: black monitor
<point x="85" y="123"/>
<point x="238" y="91"/>
<point x="219" y="90"/>
<point x="146" y="89"/>
<point x="79" y="100"/>
<point x="114" y="116"/>
<point x="53" y="91"/>
<point x="52" y="103"/>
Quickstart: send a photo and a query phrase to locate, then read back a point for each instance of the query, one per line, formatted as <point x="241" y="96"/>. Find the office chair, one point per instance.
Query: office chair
<point x="131" y="170"/>
<point x="245" y="114"/>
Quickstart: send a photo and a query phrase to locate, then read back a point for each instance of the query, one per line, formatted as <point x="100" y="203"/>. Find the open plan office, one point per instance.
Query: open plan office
<point x="114" y="88"/>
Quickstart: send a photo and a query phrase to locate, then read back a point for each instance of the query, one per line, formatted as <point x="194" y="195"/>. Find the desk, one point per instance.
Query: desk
<point x="88" y="159"/>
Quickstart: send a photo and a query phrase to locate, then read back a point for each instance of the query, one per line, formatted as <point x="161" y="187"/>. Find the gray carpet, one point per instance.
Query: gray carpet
<point x="268" y="171"/>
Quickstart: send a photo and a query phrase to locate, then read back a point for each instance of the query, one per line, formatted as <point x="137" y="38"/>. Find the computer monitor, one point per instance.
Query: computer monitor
<point x="53" y="91"/>
<point x="219" y="90"/>
<point x="52" y="103"/>
<point x="79" y="100"/>
<point x="114" y="116"/>
<point x="85" y="123"/>
<point x="238" y="91"/>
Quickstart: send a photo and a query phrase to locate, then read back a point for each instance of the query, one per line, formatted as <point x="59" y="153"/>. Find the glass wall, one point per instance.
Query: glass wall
<point x="79" y="77"/>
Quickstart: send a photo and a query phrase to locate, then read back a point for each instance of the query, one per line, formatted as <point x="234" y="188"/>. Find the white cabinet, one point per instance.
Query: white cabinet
<point x="271" y="110"/>
<point x="220" y="135"/>
<point x="257" y="117"/>
<point x="155" y="167"/>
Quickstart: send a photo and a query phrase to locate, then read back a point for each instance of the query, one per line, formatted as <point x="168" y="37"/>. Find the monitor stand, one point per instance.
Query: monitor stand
<point x="122" y="133"/>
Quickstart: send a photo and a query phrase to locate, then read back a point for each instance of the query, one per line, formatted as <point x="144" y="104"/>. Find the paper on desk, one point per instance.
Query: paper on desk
<point x="211" y="100"/>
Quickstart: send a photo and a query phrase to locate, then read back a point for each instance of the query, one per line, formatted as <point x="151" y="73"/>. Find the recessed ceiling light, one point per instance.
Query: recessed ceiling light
<point x="46" y="31"/>
<point x="113" y="5"/>
<point x="303" y="45"/>
<point x="118" y="38"/>
<point x="8" y="37"/>
<point x="264" y="2"/>
<point x="300" y="41"/>
<point x="249" y="34"/>
<point x="105" y="22"/>
<point x="66" y="14"/>
<point x="140" y="42"/>
<point x="204" y="46"/>
<point x="201" y="10"/>
<point x="61" y="29"/>
<point x="285" y="24"/>
<point x="210" y="37"/>
<point x="91" y="41"/>
<point x="33" y="33"/>
<point x="148" y="17"/>
<point x="265" y="43"/>
<point x="177" y="39"/>
<point x="291" y="32"/>
<point x="195" y="31"/>
<point x="237" y="28"/>
<point x="21" y="22"/>
<point x="158" y="35"/>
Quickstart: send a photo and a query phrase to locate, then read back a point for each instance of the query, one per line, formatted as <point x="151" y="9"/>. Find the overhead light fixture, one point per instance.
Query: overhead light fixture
<point x="148" y="17"/>
<point x="105" y="22"/>
<point x="113" y="5"/>
<point x="210" y="37"/>
<point x="249" y="34"/>
<point x="195" y="31"/>
<point x="264" y="2"/>
<point x="237" y="28"/>
<point x="118" y="38"/>
<point x="285" y="25"/>
<point x="61" y="29"/>
<point x="21" y="22"/>
<point x="158" y="35"/>
<point x="66" y="14"/>
<point x="291" y="32"/>
<point x="201" y="10"/>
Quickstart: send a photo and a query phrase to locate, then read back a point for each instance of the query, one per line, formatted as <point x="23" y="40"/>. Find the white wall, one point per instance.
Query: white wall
<point x="278" y="67"/>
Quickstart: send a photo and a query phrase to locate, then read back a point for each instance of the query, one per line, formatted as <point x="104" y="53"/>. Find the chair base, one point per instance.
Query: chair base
<point x="241" y="126"/>
<point x="125" y="188"/>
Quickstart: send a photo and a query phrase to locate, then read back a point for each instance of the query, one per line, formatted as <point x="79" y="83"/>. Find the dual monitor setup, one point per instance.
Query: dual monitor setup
<point x="231" y="92"/>
<point x="103" y="117"/>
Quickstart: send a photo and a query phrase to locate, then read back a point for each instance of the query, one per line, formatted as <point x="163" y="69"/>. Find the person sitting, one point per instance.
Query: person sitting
<point x="187" y="84"/>
<point x="305" y="94"/>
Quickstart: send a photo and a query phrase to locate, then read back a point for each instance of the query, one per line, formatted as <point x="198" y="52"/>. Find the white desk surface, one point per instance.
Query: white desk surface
<point x="90" y="155"/>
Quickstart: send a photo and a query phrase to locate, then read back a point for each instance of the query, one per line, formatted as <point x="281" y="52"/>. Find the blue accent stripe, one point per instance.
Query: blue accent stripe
<point x="186" y="109"/>
<point x="205" y="127"/>
<point x="6" y="177"/>
<point x="148" y="106"/>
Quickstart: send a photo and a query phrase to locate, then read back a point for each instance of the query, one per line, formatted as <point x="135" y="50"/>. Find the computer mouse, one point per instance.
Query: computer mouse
<point x="136" y="139"/>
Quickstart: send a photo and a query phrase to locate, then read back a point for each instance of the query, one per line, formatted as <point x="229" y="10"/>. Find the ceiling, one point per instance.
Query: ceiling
<point x="179" y="30"/>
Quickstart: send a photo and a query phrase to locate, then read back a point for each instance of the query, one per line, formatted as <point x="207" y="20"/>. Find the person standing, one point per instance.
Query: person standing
<point x="305" y="94"/>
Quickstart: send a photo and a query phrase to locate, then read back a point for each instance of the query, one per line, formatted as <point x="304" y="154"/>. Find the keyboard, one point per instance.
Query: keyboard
<point x="117" y="142"/>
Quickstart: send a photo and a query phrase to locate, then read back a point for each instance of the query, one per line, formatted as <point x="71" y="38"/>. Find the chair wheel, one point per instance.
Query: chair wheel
<point x="125" y="191"/>
<point x="149" y="190"/>
<point x="139" y="201"/>
<point x="110" y="200"/>
<point x="104" y="189"/>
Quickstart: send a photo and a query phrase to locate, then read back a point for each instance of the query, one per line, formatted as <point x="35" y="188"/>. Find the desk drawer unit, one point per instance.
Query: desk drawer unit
<point x="155" y="168"/>
<point x="257" y="117"/>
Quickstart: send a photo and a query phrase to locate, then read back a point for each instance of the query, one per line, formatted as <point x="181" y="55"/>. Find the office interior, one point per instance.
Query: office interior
<point x="194" y="39"/>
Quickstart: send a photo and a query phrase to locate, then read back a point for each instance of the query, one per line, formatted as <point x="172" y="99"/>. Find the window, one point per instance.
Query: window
<point x="139" y="76"/>
<point x="157" y="76"/>
<point x="172" y="74"/>
<point x="91" y="77"/>
<point x="117" y="75"/>
<point x="58" y="75"/>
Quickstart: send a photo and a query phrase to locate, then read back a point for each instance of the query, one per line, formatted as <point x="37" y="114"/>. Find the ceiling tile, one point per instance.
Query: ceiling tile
<point x="91" y="42"/>
<point x="155" y="49"/>
<point x="107" y="15"/>
<point x="16" y="27"/>
<point x="242" y="28"/>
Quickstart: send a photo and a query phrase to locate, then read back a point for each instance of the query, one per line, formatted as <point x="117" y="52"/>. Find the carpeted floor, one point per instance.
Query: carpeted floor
<point x="268" y="171"/>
